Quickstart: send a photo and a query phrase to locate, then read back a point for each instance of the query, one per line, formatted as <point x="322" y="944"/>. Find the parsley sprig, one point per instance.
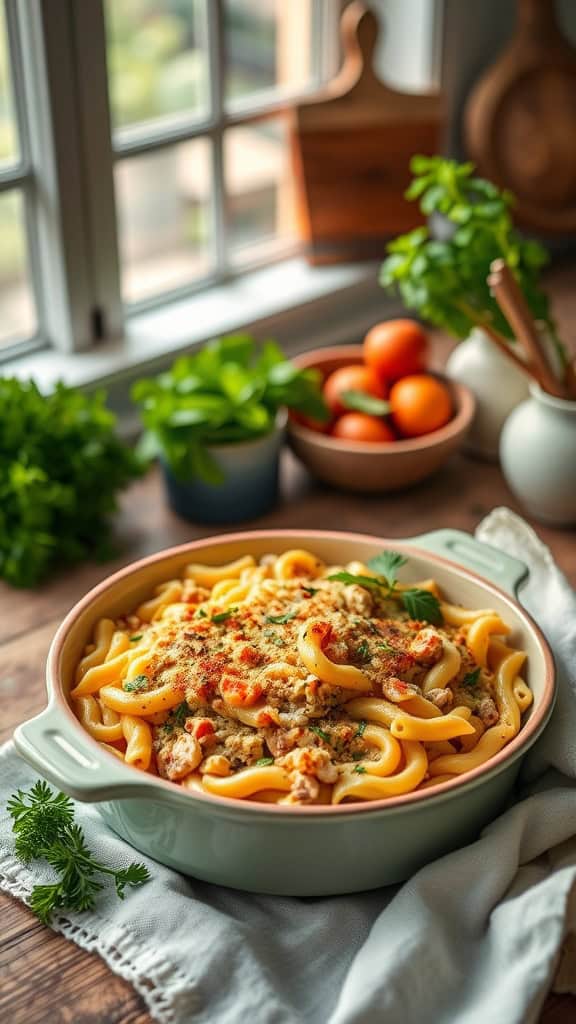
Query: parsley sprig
<point x="43" y="823"/>
<point x="420" y="604"/>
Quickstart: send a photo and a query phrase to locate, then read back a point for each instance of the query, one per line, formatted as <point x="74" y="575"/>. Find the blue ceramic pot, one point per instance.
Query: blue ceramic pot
<point x="249" y="488"/>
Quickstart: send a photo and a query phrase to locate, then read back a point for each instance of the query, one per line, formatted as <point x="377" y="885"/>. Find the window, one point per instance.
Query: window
<point x="145" y="176"/>
<point x="18" y="301"/>
<point x="202" y="170"/>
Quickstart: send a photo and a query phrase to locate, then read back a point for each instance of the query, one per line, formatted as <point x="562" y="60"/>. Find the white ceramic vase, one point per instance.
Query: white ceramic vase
<point x="497" y="386"/>
<point x="538" y="453"/>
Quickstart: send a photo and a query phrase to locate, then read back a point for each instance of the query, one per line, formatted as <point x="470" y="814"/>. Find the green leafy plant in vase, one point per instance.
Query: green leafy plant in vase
<point x="216" y="419"/>
<point x="440" y="271"/>
<point x="61" y="466"/>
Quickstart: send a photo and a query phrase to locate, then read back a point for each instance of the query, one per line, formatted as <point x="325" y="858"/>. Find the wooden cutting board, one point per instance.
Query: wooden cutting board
<point x="520" y="121"/>
<point x="351" y="149"/>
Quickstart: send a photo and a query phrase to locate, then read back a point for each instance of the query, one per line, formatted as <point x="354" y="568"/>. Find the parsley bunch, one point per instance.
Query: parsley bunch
<point x="229" y="391"/>
<point x="61" y="465"/>
<point x="43" y="823"/>
<point x="444" y="278"/>
<point x="420" y="604"/>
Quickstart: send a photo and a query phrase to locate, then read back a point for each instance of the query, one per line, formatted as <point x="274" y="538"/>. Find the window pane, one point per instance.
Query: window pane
<point x="259" y="187"/>
<point x="8" y="129"/>
<point x="157" y="60"/>
<point x="163" y="201"/>
<point x="18" y="319"/>
<point x="268" y="46"/>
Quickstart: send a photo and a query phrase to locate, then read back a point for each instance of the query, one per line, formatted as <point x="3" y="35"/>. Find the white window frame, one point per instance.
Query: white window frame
<point x="63" y="79"/>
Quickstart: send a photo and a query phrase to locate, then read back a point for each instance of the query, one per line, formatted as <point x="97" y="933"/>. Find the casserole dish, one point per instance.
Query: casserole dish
<point x="299" y="851"/>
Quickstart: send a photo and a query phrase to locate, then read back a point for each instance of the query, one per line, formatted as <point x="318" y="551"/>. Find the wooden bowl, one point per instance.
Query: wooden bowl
<point x="375" y="467"/>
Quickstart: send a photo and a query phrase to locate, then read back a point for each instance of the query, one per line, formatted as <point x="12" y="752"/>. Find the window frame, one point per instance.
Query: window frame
<point x="146" y="138"/>
<point x="92" y="337"/>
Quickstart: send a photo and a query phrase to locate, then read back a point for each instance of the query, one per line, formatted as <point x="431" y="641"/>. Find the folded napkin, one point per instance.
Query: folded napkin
<point x="478" y="935"/>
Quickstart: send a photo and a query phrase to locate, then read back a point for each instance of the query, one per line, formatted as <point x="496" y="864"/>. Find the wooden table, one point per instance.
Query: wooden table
<point x="34" y="962"/>
<point x="43" y="978"/>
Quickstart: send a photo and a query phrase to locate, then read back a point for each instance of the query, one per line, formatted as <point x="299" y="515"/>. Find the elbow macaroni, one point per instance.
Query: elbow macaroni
<point x="268" y="681"/>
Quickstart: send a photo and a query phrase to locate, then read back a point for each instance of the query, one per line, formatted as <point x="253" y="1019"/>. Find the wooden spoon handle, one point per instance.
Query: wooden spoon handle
<point x="514" y="307"/>
<point x="512" y="357"/>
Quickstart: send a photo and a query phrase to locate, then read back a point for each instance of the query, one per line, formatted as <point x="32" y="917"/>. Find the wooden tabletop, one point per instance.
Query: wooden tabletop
<point x="45" y="979"/>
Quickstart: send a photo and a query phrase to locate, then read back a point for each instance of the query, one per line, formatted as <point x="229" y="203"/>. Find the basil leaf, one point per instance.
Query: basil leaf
<point x="423" y="605"/>
<point x="138" y="636"/>
<point x="264" y="762"/>
<point x="361" y="401"/>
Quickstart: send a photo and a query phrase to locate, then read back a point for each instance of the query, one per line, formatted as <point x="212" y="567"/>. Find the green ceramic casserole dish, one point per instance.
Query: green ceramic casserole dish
<point x="297" y="851"/>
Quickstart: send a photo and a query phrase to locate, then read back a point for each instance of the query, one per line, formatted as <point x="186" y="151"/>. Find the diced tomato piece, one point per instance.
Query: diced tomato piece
<point x="239" y="692"/>
<point x="199" y="727"/>
<point x="250" y="655"/>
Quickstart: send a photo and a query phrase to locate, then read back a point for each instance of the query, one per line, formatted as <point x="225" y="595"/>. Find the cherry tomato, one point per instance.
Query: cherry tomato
<point x="355" y="377"/>
<point x="396" y="348"/>
<point x="358" y="426"/>
<point x="419" y="404"/>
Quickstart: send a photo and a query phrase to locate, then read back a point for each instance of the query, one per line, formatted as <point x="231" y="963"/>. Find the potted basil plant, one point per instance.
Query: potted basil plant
<point x="216" y="422"/>
<point x="440" y="271"/>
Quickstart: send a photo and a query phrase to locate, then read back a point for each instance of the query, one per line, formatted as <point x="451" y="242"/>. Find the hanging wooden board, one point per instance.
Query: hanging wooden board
<point x="351" y="148"/>
<point x="520" y="121"/>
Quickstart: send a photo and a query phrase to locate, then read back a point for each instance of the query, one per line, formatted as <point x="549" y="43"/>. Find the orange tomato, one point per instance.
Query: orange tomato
<point x="355" y="377"/>
<point x="396" y="348"/>
<point x="358" y="426"/>
<point x="419" y="404"/>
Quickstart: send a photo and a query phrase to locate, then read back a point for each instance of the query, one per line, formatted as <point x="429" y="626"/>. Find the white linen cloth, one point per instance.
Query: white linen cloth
<point x="476" y="936"/>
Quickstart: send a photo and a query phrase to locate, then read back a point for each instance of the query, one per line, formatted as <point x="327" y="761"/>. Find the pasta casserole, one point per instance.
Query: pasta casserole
<point x="290" y="681"/>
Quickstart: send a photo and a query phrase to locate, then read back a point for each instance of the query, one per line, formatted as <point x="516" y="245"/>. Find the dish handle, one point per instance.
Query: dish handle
<point x="504" y="570"/>
<point x="50" y="744"/>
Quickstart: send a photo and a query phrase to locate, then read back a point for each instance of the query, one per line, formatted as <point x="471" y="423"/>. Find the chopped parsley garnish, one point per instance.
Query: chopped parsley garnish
<point x="264" y="762"/>
<point x="386" y="647"/>
<point x="138" y="636"/>
<point x="361" y="728"/>
<point x="420" y="604"/>
<point x="363" y="651"/>
<point x="310" y="590"/>
<point x="320" y="732"/>
<point x="223" y="616"/>
<point x="138" y="683"/>
<point x="281" y="619"/>
<point x="201" y="614"/>
<point x="360" y="769"/>
<point x="271" y="635"/>
<point x="180" y="714"/>
<point x="471" y="678"/>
